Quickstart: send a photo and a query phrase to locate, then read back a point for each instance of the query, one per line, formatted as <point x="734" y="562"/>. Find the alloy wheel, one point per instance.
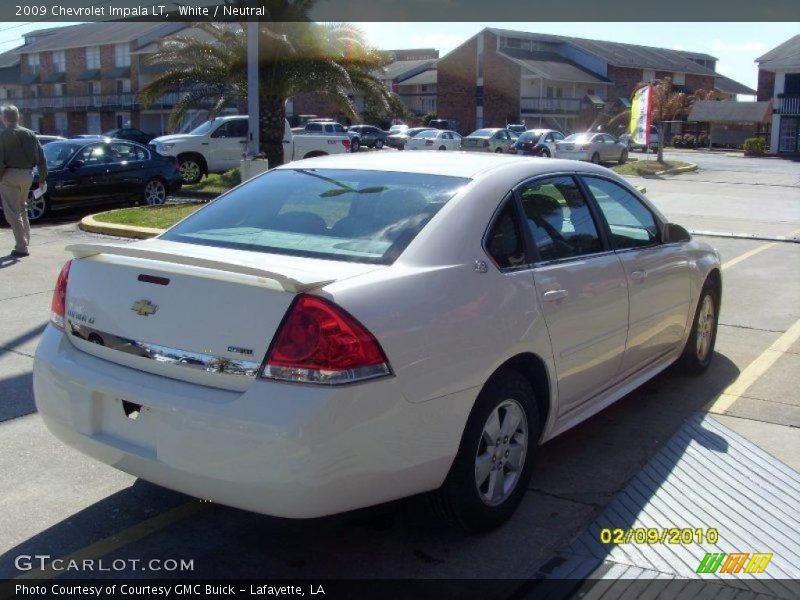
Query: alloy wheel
<point x="190" y="171"/>
<point x="705" y="328"/>
<point x="155" y="193"/>
<point x="501" y="452"/>
<point x="36" y="207"/>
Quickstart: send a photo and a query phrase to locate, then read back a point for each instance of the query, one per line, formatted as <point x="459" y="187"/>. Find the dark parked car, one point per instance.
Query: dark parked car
<point x="131" y="134"/>
<point x="46" y="139"/>
<point x="92" y="171"/>
<point x="371" y="136"/>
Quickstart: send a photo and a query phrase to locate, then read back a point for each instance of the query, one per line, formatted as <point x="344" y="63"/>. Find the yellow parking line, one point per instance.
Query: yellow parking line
<point x="754" y="251"/>
<point x="119" y="540"/>
<point x="755" y="370"/>
<point x="748" y="254"/>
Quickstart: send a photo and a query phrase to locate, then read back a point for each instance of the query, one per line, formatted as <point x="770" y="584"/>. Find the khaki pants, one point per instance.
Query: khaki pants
<point x="14" y="188"/>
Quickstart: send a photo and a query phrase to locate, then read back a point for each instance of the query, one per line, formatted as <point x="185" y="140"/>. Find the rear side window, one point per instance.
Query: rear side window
<point x="559" y="218"/>
<point x="504" y="242"/>
<point x="339" y="214"/>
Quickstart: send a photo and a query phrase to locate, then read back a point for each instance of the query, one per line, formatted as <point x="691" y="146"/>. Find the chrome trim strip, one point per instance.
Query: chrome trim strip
<point x="198" y="361"/>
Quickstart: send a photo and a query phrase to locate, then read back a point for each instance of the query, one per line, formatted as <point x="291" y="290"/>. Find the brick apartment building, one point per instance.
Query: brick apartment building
<point x="85" y="78"/>
<point x="502" y="76"/>
<point x="779" y="82"/>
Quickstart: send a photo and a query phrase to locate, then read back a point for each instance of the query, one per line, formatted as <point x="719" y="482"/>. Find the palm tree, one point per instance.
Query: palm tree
<point x="295" y="56"/>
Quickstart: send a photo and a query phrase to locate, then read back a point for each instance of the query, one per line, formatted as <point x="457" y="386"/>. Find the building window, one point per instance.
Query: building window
<point x="679" y="78"/>
<point x="648" y="75"/>
<point x="60" y="89"/>
<point x="61" y="123"/>
<point x="93" y="57"/>
<point x="513" y="42"/>
<point x="123" y="86"/>
<point x="123" y="119"/>
<point x="93" y="123"/>
<point x="33" y="62"/>
<point x="34" y="91"/>
<point x="59" y="61"/>
<point x="122" y="55"/>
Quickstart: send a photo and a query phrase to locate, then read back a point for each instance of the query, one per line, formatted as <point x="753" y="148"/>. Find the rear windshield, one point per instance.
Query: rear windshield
<point x="339" y="214"/>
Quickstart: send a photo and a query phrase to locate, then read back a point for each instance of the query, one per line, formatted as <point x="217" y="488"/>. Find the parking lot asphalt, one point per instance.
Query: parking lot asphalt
<point x="57" y="502"/>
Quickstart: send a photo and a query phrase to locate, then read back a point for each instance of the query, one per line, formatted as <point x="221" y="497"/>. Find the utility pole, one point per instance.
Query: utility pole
<point x="252" y="88"/>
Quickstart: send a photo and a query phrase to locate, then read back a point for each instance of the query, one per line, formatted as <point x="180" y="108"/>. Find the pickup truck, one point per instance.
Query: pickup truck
<point x="217" y="146"/>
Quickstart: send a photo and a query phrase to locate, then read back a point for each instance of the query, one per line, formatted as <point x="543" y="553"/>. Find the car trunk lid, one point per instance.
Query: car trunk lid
<point x="195" y="313"/>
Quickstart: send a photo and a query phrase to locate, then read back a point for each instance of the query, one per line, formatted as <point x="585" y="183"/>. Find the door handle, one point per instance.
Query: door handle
<point x="554" y="295"/>
<point x="639" y="275"/>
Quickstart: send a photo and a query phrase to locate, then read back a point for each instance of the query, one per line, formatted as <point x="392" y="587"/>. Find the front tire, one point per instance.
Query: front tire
<point x="191" y="169"/>
<point x="378" y="144"/>
<point x="39" y="208"/>
<point x="493" y="466"/>
<point x="596" y="158"/>
<point x="499" y="151"/>
<point x="155" y="192"/>
<point x="545" y="153"/>
<point x="699" y="349"/>
<point x="623" y="157"/>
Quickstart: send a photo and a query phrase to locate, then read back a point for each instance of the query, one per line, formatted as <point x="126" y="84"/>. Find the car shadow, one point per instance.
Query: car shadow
<point x="576" y="475"/>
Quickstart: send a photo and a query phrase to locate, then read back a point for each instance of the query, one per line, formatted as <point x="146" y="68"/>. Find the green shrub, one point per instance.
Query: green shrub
<point x="428" y="118"/>
<point x="231" y="178"/>
<point x="755" y="146"/>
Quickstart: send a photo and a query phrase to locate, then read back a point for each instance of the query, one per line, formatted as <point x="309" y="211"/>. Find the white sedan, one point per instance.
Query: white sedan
<point x="434" y="139"/>
<point x="344" y="331"/>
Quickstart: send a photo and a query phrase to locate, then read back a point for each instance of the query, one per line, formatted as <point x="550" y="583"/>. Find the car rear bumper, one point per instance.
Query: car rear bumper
<point x="282" y="449"/>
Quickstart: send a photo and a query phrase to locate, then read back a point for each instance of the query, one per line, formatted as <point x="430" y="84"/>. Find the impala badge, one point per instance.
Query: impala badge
<point x="144" y="308"/>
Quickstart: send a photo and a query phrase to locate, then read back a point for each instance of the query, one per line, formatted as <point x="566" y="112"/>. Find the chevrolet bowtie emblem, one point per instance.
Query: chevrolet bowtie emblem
<point x="144" y="308"/>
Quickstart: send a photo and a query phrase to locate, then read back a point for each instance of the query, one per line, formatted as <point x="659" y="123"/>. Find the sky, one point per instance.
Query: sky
<point x="736" y="45"/>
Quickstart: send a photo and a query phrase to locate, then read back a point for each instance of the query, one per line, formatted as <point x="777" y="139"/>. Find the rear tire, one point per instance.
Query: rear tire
<point x="37" y="209"/>
<point x="493" y="466"/>
<point x="623" y="157"/>
<point x="699" y="349"/>
<point x="442" y="148"/>
<point x="596" y="158"/>
<point x="545" y="153"/>
<point x="355" y="145"/>
<point x="154" y="193"/>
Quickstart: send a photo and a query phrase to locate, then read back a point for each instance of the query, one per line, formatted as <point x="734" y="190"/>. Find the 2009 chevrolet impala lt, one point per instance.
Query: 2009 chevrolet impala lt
<point x="343" y="331"/>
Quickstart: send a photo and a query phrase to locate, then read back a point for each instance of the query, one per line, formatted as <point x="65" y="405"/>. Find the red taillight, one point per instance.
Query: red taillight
<point x="318" y="342"/>
<point x="58" y="306"/>
<point x="346" y="143"/>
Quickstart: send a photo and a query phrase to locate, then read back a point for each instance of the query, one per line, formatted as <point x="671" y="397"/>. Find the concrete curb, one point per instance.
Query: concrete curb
<point x="90" y="224"/>
<point x="675" y="171"/>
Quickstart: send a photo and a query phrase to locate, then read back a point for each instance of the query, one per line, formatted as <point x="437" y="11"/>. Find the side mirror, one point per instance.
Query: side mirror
<point x="674" y="233"/>
<point x="75" y="165"/>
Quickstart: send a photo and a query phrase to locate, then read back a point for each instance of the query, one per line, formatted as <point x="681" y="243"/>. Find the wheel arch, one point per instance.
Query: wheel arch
<point x="197" y="156"/>
<point x="533" y="368"/>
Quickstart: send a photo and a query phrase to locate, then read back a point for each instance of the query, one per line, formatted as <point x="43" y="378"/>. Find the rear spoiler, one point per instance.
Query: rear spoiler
<point x="278" y="281"/>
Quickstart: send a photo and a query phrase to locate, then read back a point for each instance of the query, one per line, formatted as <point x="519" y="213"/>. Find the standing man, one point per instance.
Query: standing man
<point x="20" y="151"/>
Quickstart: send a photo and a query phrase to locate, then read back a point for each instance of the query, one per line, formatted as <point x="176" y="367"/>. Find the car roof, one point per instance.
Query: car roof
<point x="455" y="164"/>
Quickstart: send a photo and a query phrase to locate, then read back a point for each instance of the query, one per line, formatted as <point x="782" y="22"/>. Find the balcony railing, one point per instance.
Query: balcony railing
<point x="125" y="101"/>
<point x="116" y="101"/>
<point x="787" y="105"/>
<point x="550" y="106"/>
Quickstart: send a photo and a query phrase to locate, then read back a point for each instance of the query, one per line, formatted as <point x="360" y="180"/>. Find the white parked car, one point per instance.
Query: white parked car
<point x="344" y="331"/>
<point x="592" y="147"/>
<point x="434" y="139"/>
<point x="218" y="145"/>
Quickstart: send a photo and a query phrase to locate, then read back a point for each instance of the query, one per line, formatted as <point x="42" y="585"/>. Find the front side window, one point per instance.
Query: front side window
<point x="93" y="155"/>
<point x="559" y="219"/>
<point x="338" y="214"/>
<point x="125" y="153"/>
<point x="632" y="225"/>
